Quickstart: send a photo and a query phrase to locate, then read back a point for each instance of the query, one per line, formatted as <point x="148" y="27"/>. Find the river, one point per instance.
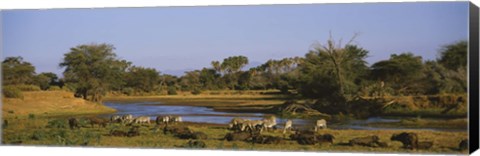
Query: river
<point x="209" y="115"/>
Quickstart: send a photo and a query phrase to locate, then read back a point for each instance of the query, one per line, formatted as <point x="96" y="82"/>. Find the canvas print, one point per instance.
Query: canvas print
<point x="366" y="77"/>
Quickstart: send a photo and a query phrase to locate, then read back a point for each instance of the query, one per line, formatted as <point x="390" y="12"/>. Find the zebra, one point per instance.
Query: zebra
<point x="269" y="122"/>
<point x="175" y="119"/>
<point x="142" y="119"/>
<point x="162" y="119"/>
<point x="128" y="118"/>
<point x="115" y="118"/>
<point x="322" y="123"/>
<point x="252" y="125"/>
<point x="288" y="125"/>
<point x="236" y="123"/>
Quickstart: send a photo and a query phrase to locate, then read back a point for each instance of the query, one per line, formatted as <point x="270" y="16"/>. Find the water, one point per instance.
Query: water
<point x="208" y="115"/>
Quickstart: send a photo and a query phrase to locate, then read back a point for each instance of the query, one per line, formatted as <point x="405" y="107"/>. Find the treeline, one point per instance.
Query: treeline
<point x="329" y="73"/>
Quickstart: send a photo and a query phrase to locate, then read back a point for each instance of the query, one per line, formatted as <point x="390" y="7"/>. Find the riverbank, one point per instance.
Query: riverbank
<point x="55" y="132"/>
<point x="50" y="103"/>
<point x="241" y="103"/>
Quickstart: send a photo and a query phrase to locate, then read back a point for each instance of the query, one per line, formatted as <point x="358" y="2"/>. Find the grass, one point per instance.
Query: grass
<point x="430" y="123"/>
<point x="37" y="132"/>
<point x="41" y="119"/>
<point x="49" y="103"/>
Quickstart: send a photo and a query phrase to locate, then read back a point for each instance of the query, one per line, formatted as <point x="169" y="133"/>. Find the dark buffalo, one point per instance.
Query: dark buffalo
<point x="424" y="145"/>
<point x="326" y="138"/>
<point x="409" y="140"/>
<point x="463" y="145"/>
<point x="237" y="136"/>
<point x="98" y="121"/>
<point x="73" y="123"/>
<point x="370" y="141"/>
<point x="266" y="139"/>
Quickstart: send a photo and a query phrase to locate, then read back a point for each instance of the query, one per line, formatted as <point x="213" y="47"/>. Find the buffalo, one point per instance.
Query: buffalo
<point x="73" y="123"/>
<point x="370" y="141"/>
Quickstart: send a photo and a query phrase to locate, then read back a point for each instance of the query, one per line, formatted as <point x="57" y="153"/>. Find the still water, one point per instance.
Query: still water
<point x="208" y="115"/>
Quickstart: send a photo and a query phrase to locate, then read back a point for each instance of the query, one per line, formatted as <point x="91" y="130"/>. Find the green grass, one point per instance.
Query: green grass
<point x="55" y="131"/>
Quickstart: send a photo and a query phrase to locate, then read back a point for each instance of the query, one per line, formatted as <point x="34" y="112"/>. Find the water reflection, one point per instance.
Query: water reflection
<point x="209" y="115"/>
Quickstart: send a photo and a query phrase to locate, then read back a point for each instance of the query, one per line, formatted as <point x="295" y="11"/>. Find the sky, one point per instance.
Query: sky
<point x="177" y="39"/>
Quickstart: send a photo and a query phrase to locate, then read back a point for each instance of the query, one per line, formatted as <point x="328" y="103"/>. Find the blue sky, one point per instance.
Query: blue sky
<point x="175" y="39"/>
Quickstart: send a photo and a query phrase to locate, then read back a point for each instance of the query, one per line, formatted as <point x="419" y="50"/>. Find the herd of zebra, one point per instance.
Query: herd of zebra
<point x="240" y="124"/>
<point x="128" y="119"/>
<point x="237" y="124"/>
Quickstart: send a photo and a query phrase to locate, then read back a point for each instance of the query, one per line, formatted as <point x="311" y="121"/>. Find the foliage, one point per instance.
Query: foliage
<point x="12" y="92"/>
<point x="454" y="56"/>
<point x="46" y="80"/>
<point x="17" y="71"/>
<point x="24" y="87"/>
<point x="401" y="72"/>
<point x="142" y="79"/>
<point x="196" y="91"/>
<point x="54" y="88"/>
<point x="172" y="90"/>
<point x="94" y="69"/>
<point x="330" y="72"/>
<point x="57" y="123"/>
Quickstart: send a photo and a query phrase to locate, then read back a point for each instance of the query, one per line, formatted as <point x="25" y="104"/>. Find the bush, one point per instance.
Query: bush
<point x="12" y="92"/>
<point x="31" y="116"/>
<point x="128" y="91"/>
<point x="54" y="88"/>
<point x="37" y="135"/>
<point x="172" y="91"/>
<point x="196" y="91"/>
<point x="57" y="123"/>
<point x="28" y="87"/>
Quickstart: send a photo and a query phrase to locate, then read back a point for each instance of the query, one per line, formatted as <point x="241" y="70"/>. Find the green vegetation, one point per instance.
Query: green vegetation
<point x="55" y="131"/>
<point x="333" y="78"/>
<point x="12" y="92"/>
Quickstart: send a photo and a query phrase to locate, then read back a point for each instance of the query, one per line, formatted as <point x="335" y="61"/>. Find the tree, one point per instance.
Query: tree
<point x="142" y="79"/>
<point x="209" y="79"/>
<point x="45" y="80"/>
<point x="438" y="79"/>
<point x="93" y="69"/>
<point x="454" y="56"/>
<point x="343" y="65"/>
<point x="230" y="68"/>
<point x="190" y="81"/>
<point x="17" y="71"/>
<point x="330" y="72"/>
<point x="401" y="72"/>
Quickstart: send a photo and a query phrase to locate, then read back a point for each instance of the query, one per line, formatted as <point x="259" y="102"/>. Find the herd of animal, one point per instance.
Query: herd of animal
<point x="251" y="131"/>
<point x="240" y="124"/>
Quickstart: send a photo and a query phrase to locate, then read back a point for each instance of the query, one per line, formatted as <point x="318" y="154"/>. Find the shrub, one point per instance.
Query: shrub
<point x="196" y="91"/>
<point x="12" y="92"/>
<point x="28" y="87"/>
<point x="128" y="91"/>
<point x="57" y="123"/>
<point x="172" y="91"/>
<point x="31" y="116"/>
<point x="37" y="135"/>
<point x="54" y="88"/>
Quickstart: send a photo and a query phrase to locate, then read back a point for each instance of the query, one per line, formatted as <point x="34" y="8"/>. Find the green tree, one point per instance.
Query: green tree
<point x="17" y="71"/>
<point x="454" y="56"/>
<point x="330" y="72"/>
<point x="209" y="79"/>
<point x="46" y="79"/>
<point x="401" y="72"/>
<point x="142" y="79"/>
<point x="230" y="68"/>
<point x="93" y="69"/>
<point x="190" y="81"/>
